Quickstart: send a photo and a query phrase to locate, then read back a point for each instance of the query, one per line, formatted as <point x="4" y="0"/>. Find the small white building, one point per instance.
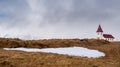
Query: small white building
<point x="108" y="37"/>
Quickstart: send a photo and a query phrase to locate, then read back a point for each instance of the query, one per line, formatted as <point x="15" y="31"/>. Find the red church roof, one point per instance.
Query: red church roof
<point x="108" y="36"/>
<point x="99" y="29"/>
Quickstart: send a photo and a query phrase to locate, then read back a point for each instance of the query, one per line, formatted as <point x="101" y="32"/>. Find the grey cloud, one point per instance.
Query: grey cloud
<point x="79" y="10"/>
<point x="61" y="16"/>
<point x="14" y="12"/>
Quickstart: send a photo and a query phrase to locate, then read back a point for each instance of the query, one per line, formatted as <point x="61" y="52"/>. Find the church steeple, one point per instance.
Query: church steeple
<point x="99" y="30"/>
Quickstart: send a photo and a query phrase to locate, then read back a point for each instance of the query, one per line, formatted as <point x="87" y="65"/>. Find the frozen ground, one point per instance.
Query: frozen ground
<point x="73" y="51"/>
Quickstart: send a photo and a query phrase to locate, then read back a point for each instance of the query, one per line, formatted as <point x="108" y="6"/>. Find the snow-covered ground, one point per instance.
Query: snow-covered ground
<point x="73" y="51"/>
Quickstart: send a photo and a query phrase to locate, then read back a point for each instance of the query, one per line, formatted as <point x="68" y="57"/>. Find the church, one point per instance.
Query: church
<point x="101" y="35"/>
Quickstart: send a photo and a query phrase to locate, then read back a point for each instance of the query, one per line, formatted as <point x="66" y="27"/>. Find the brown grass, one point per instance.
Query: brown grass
<point x="25" y="59"/>
<point x="13" y="43"/>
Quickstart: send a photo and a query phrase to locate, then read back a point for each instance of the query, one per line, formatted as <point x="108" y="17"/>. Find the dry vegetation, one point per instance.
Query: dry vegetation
<point x="24" y="59"/>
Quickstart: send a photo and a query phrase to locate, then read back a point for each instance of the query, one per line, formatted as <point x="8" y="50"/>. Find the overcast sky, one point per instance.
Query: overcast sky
<point x="59" y="18"/>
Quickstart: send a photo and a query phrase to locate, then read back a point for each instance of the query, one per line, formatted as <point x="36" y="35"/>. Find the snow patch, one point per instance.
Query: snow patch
<point x="73" y="51"/>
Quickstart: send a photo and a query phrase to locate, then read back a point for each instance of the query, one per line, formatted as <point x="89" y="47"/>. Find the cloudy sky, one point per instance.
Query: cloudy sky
<point x="58" y="18"/>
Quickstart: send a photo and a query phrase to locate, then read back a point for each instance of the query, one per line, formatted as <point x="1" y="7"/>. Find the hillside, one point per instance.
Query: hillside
<point x="47" y="43"/>
<point x="39" y="59"/>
